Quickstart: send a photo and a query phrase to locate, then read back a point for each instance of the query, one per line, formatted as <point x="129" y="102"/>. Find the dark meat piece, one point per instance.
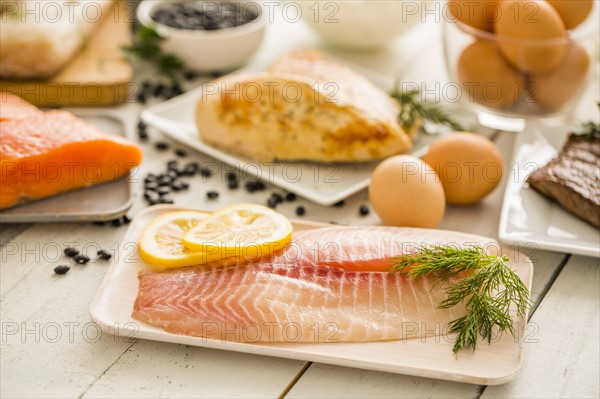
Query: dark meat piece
<point x="573" y="177"/>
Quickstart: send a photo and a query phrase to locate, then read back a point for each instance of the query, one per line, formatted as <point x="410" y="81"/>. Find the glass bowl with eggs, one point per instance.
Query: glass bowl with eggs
<point x="515" y="59"/>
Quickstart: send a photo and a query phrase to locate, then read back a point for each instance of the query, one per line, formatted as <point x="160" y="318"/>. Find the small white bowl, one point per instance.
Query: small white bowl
<point x="360" y="25"/>
<point x="208" y="51"/>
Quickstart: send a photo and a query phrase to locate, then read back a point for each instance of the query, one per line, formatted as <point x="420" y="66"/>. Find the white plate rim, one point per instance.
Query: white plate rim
<point x="586" y="249"/>
<point x="109" y="322"/>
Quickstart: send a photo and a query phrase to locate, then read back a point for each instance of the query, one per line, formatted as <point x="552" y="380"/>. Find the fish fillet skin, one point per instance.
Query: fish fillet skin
<point x="54" y="152"/>
<point x="329" y="285"/>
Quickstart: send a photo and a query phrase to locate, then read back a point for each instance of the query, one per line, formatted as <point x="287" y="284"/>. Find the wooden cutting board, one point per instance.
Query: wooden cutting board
<point x="98" y="75"/>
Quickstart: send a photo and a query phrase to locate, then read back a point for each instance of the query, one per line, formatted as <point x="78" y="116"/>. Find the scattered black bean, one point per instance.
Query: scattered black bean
<point x="180" y="185"/>
<point x="340" y="204"/>
<point x="180" y="153"/>
<point x="231" y="176"/>
<point x="176" y="90"/>
<point x="104" y="255"/>
<point x="116" y="222"/>
<point x="152" y="186"/>
<point x="165" y="180"/>
<point x="272" y="203"/>
<point x="277" y="197"/>
<point x="141" y="98"/>
<point x="205" y="172"/>
<point x="151" y="196"/>
<point x="71" y="252"/>
<point x="161" y="146"/>
<point x="163" y="190"/>
<point x="154" y="202"/>
<point x="126" y="219"/>
<point x="290" y="197"/>
<point x="62" y="269"/>
<point x="141" y="125"/>
<point x="173" y="174"/>
<point x="363" y="210"/>
<point x="150" y="178"/>
<point x="81" y="259"/>
<point x="159" y="89"/>
<point x="146" y="85"/>
<point x="191" y="168"/>
<point x="165" y="200"/>
<point x="212" y="195"/>
<point x="172" y="165"/>
<point x="143" y="135"/>
<point x="300" y="211"/>
<point x="100" y="223"/>
<point x="190" y="75"/>
<point x="253" y="186"/>
<point x="216" y="74"/>
<point x="233" y="184"/>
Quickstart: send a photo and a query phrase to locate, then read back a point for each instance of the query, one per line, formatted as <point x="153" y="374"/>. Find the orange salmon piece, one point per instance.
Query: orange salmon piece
<point x="14" y="108"/>
<point x="54" y="152"/>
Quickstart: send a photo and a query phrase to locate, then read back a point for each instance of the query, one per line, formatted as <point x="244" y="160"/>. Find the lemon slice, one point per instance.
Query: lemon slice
<point x="243" y="231"/>
<point x="160" y="242"/>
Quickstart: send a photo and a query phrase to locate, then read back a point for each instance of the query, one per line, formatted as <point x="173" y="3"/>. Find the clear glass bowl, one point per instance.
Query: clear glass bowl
<point x="506" y="80"/>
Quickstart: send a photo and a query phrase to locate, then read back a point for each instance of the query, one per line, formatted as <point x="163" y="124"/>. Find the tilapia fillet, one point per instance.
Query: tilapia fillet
<point x="330" y="285"/>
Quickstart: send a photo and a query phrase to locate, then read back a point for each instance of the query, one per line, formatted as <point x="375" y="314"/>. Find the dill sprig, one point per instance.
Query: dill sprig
<point x="413" y="110"/>
<point x="488" y="289"/>
<point x="146" y="46"/>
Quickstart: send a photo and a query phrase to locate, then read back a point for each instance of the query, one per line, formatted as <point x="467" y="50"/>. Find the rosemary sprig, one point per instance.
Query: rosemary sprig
<point x="146" y="46"/>
<point x="412" y="110"/>
<point x="488" y="291"/>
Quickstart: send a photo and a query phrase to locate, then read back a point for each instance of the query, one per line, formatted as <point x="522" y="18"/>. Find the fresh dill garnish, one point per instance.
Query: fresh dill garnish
<point x="412" y="110"/>
<point x="146" y="46"/>
<point x="488" y="289"/>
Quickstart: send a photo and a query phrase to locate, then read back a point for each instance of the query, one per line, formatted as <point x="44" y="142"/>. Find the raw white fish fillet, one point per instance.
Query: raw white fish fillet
<point x="39" y="37"/>
<point x="330" y="285"/>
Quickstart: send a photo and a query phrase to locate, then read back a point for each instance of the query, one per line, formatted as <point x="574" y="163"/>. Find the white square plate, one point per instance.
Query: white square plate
<point x="323" y="183"/>
<point x="430" y="357"/>
<point x="103" y="202"/>
<point x="530" y="219"/>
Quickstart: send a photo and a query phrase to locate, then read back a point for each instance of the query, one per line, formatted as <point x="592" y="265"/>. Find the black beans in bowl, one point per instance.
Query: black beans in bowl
<point x="206" y="15"/>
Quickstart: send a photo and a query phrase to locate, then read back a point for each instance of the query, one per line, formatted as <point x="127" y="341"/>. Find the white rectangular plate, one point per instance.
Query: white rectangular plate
<point x="431" y="357"/>
<point x="530" y="219"/>
<point x="323" y="183"/>
<point x="98" y="203"/>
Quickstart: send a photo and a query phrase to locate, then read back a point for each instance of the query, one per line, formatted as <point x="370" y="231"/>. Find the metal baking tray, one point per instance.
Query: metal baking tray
<point x="98" y="203"/>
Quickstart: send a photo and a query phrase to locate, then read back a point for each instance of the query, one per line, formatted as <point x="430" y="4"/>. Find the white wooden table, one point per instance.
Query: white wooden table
<point x="50" y="347"/>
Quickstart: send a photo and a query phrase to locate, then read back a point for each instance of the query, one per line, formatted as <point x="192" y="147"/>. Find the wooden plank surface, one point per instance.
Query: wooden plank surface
<point x="97" y="75"/>
<point x="562" y="352"/>
<point x="33" y="299"/>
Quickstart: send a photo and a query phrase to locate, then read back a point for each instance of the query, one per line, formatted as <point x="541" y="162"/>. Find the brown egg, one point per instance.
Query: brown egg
<point x="479" y="14"/>
<point x="469" y="165"/>
<point x="525" y="31"/>
<point x="405" y="191"/>
<point x="487" y="78"/>
<point x="555" y="89"/>
<point x="572" y="12"/>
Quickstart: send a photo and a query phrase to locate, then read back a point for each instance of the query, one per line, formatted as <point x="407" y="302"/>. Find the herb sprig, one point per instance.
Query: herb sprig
<point x="589" y="129"/>
<point x="146" y="46"/>
<point x="412" y="110"/>
<point x="488" y="291"/>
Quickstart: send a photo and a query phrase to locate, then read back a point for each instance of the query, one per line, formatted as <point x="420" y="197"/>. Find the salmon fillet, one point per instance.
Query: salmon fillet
<point x="14" y="108"/>
<point x="55" y="152"/>
<point x="329" y="285"/>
